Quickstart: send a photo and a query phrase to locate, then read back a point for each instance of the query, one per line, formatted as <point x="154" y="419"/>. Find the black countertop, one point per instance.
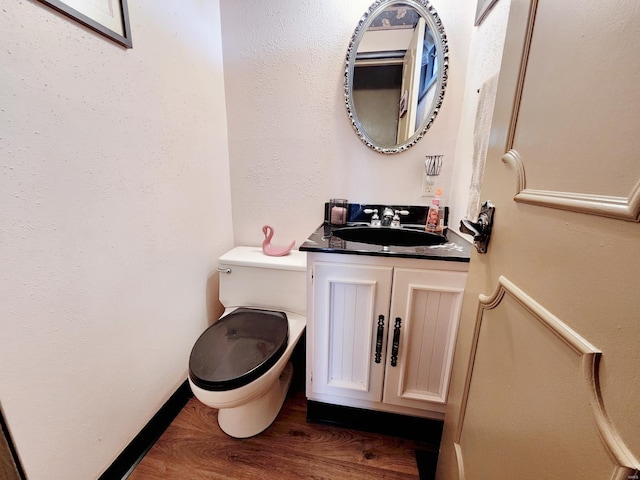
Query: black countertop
<point x="456" y="249"/>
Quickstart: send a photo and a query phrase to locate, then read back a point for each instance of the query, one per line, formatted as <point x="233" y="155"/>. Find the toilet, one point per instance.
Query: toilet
<point x="240" y="364"/>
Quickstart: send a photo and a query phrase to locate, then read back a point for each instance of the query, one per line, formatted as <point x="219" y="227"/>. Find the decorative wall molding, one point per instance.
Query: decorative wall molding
<point x="622" y="208"/>
<point x="626" y="465"/>
<point x="458" y="450"/>
<point x="522" y="70"/>
<point x="512" y="159"/>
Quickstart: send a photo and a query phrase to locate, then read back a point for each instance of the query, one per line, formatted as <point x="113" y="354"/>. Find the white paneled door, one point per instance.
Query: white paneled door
<point x="546" y="376"/>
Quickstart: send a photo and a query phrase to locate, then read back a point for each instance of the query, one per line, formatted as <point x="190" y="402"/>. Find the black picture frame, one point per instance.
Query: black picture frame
<point x="122" y="37"/>
<point x="482" y="10"/>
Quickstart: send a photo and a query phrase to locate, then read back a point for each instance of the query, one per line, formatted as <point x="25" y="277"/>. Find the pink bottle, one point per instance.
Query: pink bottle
<point x="434" y="213"/>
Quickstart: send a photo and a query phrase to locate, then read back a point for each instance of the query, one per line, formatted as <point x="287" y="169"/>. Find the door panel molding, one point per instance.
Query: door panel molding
<point x="621" y="208"/>
<point x="617" y="207"/>
<point x="625" y="465"/>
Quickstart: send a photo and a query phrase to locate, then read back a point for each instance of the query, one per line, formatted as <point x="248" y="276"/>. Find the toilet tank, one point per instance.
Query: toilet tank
<point x="258" y="280"/>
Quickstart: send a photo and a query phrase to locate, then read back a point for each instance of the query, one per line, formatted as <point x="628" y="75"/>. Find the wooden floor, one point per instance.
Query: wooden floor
<point x="194" y="447"/>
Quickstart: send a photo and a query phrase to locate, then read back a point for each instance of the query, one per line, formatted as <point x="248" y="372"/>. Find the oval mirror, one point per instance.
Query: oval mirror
<point x="396" y="73"/>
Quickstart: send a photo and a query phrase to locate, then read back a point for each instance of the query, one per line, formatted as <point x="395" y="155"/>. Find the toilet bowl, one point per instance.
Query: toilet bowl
<point x="240" y="364"/>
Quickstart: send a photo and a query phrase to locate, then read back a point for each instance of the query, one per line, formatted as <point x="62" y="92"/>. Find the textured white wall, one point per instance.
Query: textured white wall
<point x="487" y="42"/>
<point x="291" y="144"/>
<point x="115" y="191"/>
<point x="114" y="186"/>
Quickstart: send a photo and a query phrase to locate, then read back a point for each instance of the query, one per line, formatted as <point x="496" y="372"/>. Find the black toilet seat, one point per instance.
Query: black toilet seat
<point x="238" y="348"/>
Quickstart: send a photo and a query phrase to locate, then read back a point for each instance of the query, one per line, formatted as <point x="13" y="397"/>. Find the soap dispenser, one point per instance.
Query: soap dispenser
<point x="434" y="214"/>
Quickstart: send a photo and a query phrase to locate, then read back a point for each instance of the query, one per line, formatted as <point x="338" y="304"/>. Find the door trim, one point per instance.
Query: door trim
<point x="626" y="465"/>
<point x="617" y="207"/>
<point x="621" y="208"/>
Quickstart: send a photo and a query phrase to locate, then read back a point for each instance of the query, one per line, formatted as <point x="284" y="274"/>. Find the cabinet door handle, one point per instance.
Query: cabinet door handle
<point x="396" y="342"/>
<point x="379" y="336"/>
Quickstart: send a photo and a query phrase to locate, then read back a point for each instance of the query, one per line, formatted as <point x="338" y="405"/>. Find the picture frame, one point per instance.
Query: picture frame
<point x="109" y="18"/>
<point x="482" y="9"/>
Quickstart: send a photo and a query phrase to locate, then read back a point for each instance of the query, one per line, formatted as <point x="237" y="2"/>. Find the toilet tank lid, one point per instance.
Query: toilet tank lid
<point x="254" y="257"/>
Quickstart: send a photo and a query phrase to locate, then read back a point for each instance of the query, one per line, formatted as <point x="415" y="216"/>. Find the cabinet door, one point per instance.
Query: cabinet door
<point x="427" y="304"/>
<point x="348" y="299"/>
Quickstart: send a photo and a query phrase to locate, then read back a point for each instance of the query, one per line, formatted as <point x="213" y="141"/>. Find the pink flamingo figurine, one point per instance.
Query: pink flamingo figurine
<point x="269" y="249"/>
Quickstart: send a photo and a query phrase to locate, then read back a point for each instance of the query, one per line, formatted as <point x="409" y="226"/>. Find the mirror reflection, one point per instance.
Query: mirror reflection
<point x="396" y="74"/>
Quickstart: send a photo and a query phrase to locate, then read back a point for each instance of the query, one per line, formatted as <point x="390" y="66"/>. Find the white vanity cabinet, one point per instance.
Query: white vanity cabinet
<point x="381" y="331"/>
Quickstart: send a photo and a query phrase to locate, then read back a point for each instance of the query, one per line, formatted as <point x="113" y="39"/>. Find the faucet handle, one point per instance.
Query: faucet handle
<point x="375" y="219"/>
<point x="395" y="222"/>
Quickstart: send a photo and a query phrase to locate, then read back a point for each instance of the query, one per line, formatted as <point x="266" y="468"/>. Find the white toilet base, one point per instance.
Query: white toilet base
<point x="252" y="418"/>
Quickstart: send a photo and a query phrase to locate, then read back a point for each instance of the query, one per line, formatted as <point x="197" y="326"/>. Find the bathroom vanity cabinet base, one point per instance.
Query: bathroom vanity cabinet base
<point x="381" y="332"/>
<point x="403" y="426"/>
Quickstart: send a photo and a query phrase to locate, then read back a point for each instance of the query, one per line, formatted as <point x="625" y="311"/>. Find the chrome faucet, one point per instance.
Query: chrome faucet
<point x="387" y="216"/>
<point x="391" y="217"/>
